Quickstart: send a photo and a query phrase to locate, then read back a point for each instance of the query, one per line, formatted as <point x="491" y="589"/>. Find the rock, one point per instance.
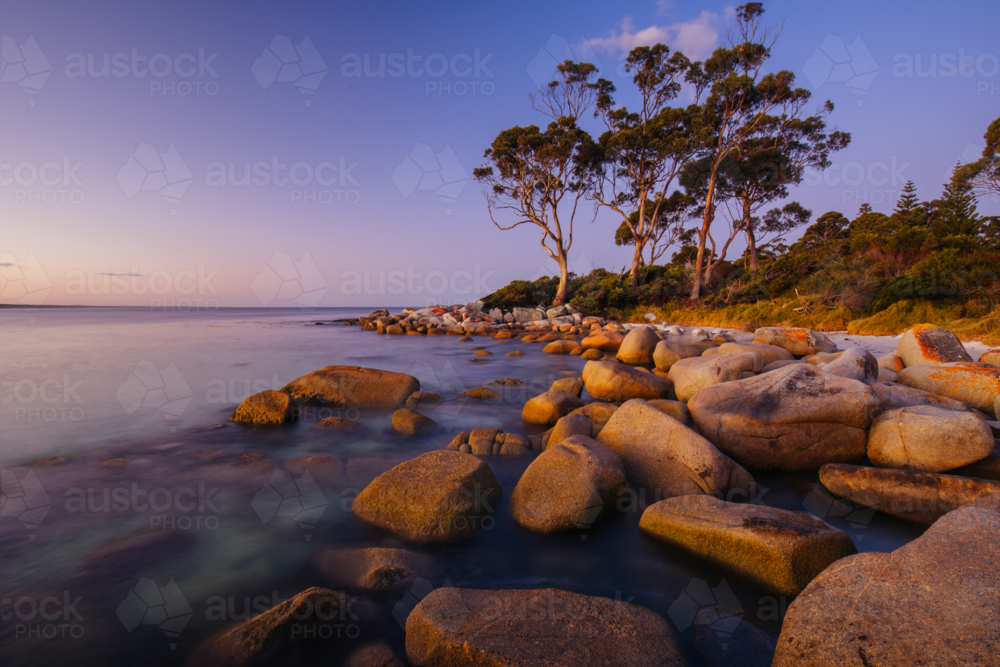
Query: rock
<point x="381" y="312"/>
<point x="591" y="355"/>
<point x="769" y="353"/>
<point x="373" y="655"/>
<point x="395" y="330"/>
<point x="987" y="468"/>
<point x="666" y="354"/>
<point x="930" y="602"/>
<point x="928" y="439"/>
<point x="929" y="345"/>
<point x="461" y="627"/>
<point x="608" y="341"/>
<point x="796" y="418"/>
<point x="666" y="459"/>
<point x="675" y="409"/>
<point x="853" y="363"/>
<point x="373" y="570"/>
<point x="438" y="496"/>
<point x="561" y="347"/>
<point x="408" y="422"/>
<point x="569" y="426"/>
<point x="482" y="394"/>
<point x="597" y="413"/>
<point x="799" y="342"/>
<point x="513" y="382"/>
<point x="286" y="633"/>
<point x="352" y="386"/>
<point x="689" y="376"/>
<point x="267" y="407"/>
<point x="572" y="385"/>
<point x="556" y="311"/>
<point x="483" y="353"/>
<point x="419" y="398"/>
<point x="991" y="357"/>
<point x="778" y="549"/>
<point x="895" y="396"/>
<point x="568" y="486"/>
<point x="340" y="423"/>
<point x="891" y="362"/>
<point x="527" y="314"/>
<point x="976" y="385"/>
<point x="996" y="407"/>
<point x="611" y="381"/>
<point x="922" y="497"/>
<point x="724" y="640"/>
<point x="783" y="363"/>
<point x="515" y="353"/>
<point x="637" y="347"/>
<point x="490" y="442"/>
<point x="546" y="409"/>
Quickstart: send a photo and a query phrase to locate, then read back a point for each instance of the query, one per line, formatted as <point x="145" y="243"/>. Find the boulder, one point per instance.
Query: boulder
<point x="690" y="376"/>
<point x="597" y="413"/>
<point x="438" y="496"/>
<point x="611" y="381"/>
<point x="407" y="422"/>
<point x="930" y="602"/>
<point x="568" y="486"/>
<point x="591" y="355"/>
<point x="783" y="363"/>
<point x="895" y="396"/>
<point x="991" y="357"/>
<point x="922" y="497"/>
<point x="976" y="385"/>
<point x="288" y="633"/>
<point x="891" y="362"/>
<point x="561" y="347"/>
<point x="778" y="549"/>
<point x="490" y="442"/>
<point x="377" y="654"/>
<point x="353" y="386"/>
<point x="527" y="314"/>
<point x="987" y="468"/>
<point x="546" y="409"/>
<point x="928" y="439"/>
<point x="267" y="407"/>
<point x="664" y="458"/>
<point x="769" y="353"/>
<point x="572" y="385"/>
<point x="482" y="394"/>
<point x="569" y="426"/>
<point x="929" y="345"/>
<point x="373" y="570"/>
<point x="675" y="409"/>
<point x="796" y="418"/>
<point x="667" y="353"/>
<point x="603" y="340"/>
<point x="637" y="347"/>
<point x="853" y="363"/>
<point x="461" y="627"/>
<point x="799" y="342"/>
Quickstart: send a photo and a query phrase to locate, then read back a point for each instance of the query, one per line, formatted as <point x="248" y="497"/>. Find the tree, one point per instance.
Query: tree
<point x="772" y="228"/>
<point x="666" y="228"/>
<point x="746" y="112"/>
<point x="984" y="174"/>
<point x="542" y="177"/>
<point x="954" y="221"/>
<point x="643" y="150"/>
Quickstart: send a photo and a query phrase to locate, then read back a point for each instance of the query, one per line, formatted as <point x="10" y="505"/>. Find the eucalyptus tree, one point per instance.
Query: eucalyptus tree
<point x="666" y="227"/>
<point x="984" y="174"/>
<point x="541" y="177"/>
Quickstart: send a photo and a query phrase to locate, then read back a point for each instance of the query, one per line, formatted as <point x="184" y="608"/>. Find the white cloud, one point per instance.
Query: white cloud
<point x="696" y="38"/>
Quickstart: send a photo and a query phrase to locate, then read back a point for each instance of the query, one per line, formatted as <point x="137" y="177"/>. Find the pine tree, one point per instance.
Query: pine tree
<point x="955" y="221"/>
<point x="908" y="202"/>
<point x="865" y="209"/>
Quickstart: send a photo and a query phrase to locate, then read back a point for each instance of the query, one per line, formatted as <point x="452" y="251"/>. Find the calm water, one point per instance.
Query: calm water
<point x="120" y="471"/>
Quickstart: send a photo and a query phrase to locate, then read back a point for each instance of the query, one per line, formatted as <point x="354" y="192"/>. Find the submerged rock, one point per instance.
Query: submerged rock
<point x="664" y="458"/>
<point x="568" y="486"/>
<point x="353" y="386"/>
<point x="490" y="442"/>
<point x="461" y="627"/>
<point x="796" y="418"/>
<point x="922" y="497"/>
<point x="930" y="602"/>
<point x="374" y="570"/>
<point x="778" y="549"/>
<point x="267" y="407"/>
<point x="438" y="496"/>
<point x="408" y="422"/>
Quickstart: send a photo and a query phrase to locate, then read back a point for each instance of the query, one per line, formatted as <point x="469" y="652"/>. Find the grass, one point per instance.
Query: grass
<point x="970" y="321"/>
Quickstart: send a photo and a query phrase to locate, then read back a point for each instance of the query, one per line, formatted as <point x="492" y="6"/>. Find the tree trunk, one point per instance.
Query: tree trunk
<point x="699" y="264"/>
<point x="563" y="279"/>
<point x="752" y="243"/>
<point x="636" y="263"/>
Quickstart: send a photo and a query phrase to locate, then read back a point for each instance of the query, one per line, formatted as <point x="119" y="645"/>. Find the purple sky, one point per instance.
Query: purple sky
<point x="126" y="184"/>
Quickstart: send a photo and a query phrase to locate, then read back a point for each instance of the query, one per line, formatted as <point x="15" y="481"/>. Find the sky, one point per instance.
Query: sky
<point x="193" y="155"/>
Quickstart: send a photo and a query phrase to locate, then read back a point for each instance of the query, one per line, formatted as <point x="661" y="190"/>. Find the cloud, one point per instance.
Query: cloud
<point x="122" y="275"/>
<point x="696" y="38"/>
<point x="6" y="263"/>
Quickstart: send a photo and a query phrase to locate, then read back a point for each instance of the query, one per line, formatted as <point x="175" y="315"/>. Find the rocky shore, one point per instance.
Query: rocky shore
<point x="678" y="422"/>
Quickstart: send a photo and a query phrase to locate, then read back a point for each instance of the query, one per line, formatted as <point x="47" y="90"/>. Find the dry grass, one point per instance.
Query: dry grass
<point x="969" y="322"/>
